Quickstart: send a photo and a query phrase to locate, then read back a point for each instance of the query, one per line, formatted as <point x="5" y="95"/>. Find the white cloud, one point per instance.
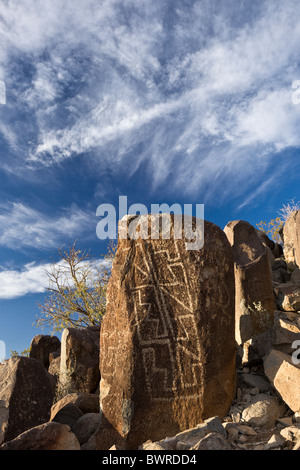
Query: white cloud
<point x="201" y="88"/>
<point x="22" y="226"/>
<point x="33" y="279"/>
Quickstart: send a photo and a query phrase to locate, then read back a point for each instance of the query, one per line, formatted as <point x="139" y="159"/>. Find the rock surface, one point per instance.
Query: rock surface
<point x="291" y="238"/>
<point x="254" y="302"/>
<point x="169" y="332"/>
<point x="80" y="359"/>
<point x="42" y="346"/>
<point x="47" y="436"/>
<point x="26" y="396"/>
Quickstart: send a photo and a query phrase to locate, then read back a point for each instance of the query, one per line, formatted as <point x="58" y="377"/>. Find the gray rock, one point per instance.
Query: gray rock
<point x="263" y="411"/>
<point x="213" y="441"/>
<point x="256" y="381"/>
<point x="69" y="414"/>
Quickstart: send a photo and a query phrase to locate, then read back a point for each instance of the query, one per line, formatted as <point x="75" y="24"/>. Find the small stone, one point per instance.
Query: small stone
<point x="247" y="430"/>
<point x="247" y="398"/>
<point x="276" y="441"/>
<point x="182" y="446"/>
<point x="254" y="391"/>
<point x="243" y="438"/>
<point x="296" y="417"/>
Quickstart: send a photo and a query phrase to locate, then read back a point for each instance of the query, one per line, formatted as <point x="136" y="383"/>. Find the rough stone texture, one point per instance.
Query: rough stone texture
<point x="86" y="426"/>
<point x="288" y="297"/>
<point x="167" y="344"/>
<point x="263" y="411"/>
<point x="295" y="276"/>
<point x="281" y="336"/>
<point x="285" y="377"/>
<point x="86" y="402"/>
<point x="26" y="396"/>
<point x="213" y="441"/>
<point x="291" y="237"/>
<point x="47" y="436"/>
<point x="54" y="367"/>
<point x="256" y="381"/>
<point x="253" y="279"/>
<point x="68" y="414"/>
<point x="80" y="358"/>
<point x="41" y="346"/>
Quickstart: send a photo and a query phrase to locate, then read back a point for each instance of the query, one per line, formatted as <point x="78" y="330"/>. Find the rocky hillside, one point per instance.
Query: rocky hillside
<point x="198" y="350"/>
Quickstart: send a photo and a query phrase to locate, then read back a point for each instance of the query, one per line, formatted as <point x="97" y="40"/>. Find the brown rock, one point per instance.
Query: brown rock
<point x="47" y="436"/>
<point x="68" y="414"/>
<point x="86" y="402"/>
<point x="167" y="344"/>
<point x="288" y="297"/>
<point x="254" y="308"/>
<point x="85" y="426"/>
<point x="54" y="367"/>
<point x="41" y="347"/>
<point x="262" y="411"/>
<point x="285" y="377"/>
<point x="80" y="358"/>
<point x="26" y="396"/>
<point x="291" y="237"/>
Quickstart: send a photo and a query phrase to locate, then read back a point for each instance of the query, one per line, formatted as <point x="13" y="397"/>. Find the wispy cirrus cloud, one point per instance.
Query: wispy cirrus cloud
<point x="22" y="226"/>
<point x="200" y="86"/>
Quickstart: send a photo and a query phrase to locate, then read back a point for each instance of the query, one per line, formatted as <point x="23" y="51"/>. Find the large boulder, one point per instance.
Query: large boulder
<point x="167" y="348"/>
<point x="291" y="238"/>
<point x="86" y="402"/>
<point x="47" y="436"/>
<point x="26" y="396"/>
<point x="79" y="361"/>
<point x="42" y="346"/>
<point x="254" y="303"/>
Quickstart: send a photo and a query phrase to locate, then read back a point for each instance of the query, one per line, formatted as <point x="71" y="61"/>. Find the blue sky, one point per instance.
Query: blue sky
<point x="159" y="100"/>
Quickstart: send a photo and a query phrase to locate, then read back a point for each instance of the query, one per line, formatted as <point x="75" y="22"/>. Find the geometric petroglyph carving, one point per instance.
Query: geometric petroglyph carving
<point x="160" y="335"/>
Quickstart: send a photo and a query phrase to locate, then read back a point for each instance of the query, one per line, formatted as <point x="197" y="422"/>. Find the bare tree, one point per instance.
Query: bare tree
<point x="77" y="290"/>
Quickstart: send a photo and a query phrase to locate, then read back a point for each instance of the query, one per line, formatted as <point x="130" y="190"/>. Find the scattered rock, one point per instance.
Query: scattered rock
<point x="47" y="436"/>
<point x="80" y="359"/>
<point x="263" y="411"/>
<point x="68" y="414"/>
<point x="213" y="441"/>
<point x="85" y="426"/>
<point x="86" y="402"/>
